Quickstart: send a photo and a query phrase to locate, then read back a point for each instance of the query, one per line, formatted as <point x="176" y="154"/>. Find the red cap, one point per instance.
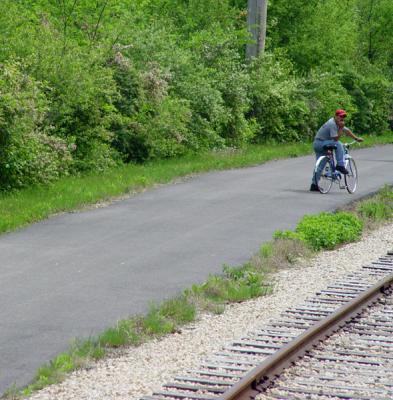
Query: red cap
<point x="341" y="113"/>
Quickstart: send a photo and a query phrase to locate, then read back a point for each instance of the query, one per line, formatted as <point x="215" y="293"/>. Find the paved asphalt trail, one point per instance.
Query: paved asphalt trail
<point x="77" y="273"/>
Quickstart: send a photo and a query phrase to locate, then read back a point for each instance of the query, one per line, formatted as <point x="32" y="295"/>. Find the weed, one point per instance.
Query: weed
<point x="156" y="324"/>
<point x="374" y="210"/>
<point x="379" y="208"/>
<point x="282" y="253"/>
<point x="179" y="309"/>
<point x="12" y="393"/>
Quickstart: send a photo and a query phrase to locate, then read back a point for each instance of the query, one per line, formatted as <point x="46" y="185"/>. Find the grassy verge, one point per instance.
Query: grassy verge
<point x="23" y="207"/>
<point x="313" y="233"/>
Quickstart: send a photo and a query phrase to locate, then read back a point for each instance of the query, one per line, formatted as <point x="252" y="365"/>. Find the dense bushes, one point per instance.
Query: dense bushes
<point x="28" y="153"/>
<point x="372" y="98"/>
<point x="95" y="84"/>
<point x="277" y="106"/>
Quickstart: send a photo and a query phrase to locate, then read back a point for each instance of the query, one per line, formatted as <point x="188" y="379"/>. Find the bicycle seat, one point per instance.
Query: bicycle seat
<point x="329" y="146"/>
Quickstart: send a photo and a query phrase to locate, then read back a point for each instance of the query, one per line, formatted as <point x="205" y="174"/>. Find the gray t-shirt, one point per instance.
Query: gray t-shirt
<point x="329" y="130"/>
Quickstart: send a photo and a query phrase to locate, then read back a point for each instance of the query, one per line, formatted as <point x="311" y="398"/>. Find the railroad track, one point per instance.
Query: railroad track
<point x="337" y="345"/>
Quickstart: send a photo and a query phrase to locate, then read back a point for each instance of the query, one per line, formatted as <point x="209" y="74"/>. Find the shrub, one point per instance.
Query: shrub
<point x="164" y="129"/>
<point x="207" y="109"/>
<point x="237" y="284"/>
<point x="327" y="230"/>
<point x="81" y="93"/>
<point x="276" y="104"/>
<point x="323" y="93"/>
<point x="372" y="97"/>
<point x="216" y="88"/>
<point x="81" y="112"/>
<point x="28" y="155"/>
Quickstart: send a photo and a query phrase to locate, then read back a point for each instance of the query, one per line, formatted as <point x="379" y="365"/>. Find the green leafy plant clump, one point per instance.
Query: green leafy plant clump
<point x="326" y="230"/>
<point x="236" y="284"/>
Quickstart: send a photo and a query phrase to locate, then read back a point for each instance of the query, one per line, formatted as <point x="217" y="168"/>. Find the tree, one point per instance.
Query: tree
<point x="376" y="30"/>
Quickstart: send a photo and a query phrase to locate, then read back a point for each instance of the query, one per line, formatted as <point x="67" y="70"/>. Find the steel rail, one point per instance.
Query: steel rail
<point x="261" y="376"/>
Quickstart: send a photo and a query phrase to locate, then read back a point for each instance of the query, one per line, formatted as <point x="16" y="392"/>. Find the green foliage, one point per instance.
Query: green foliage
<point x="276" y="105"/>
<point x="285" y="249"/>
<point x="178" y="309"/>
<point x="160" y="320"/>
<point x="266" y="250"/>
<point x="104" y="83"/>
<point x="287" y="235"/>
<point x="156" y="324"/>
<point x="335" y="62"/>
<point x="323" y="92"/>
<point x="81" y="95"/>
<point x="237" y="284"/>
<point x="375" y="210"/>
<point x="315" y="33"/>
<point x="166" y="128"/>
<point x="125" y="333"/>
<point x="28" y="154"/>
<point x="375" y="30"/>
<point x="327" y="230"/>
<point x="372" y="98"/>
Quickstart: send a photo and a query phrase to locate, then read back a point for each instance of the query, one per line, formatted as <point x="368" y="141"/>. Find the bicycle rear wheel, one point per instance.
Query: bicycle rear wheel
<point x="351" y="179"/>
<point x="323" y="167"/>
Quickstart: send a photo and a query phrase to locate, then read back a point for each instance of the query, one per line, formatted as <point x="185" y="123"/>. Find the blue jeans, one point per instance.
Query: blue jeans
<point x="319" y="151"/>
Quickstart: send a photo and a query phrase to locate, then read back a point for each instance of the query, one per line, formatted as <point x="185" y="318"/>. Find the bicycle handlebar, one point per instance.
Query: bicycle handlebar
<point x="350" y="143"/>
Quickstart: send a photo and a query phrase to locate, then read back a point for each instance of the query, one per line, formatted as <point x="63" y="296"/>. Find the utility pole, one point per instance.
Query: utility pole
<point x="256" y="23"/>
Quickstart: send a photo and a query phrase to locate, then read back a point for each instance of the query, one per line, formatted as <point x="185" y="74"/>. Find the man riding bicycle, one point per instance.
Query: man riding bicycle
<point x="328" y="135"/>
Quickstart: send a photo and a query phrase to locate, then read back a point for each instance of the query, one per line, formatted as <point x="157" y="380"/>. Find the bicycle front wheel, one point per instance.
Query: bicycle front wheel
<point x="351" y="179"/>
<point x="323" y="174"/>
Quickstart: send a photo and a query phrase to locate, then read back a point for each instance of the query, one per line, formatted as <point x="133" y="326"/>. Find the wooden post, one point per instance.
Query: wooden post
<point x="262" y="12"/>
<point x="252" y="49"/>
<point x="256" y="23"/>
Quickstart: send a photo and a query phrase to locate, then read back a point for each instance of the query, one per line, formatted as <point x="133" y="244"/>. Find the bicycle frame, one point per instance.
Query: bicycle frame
<point x="326" y="173"/>
<point x="336" y="175"/>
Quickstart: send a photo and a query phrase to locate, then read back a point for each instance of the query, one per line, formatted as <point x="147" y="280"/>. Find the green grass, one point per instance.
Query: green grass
<point x="26" y="206"/>
<point x="80" y="354"/>
<point x="377" y="209"/>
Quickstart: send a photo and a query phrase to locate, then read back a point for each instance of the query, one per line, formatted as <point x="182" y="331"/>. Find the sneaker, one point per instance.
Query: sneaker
<point x="342" y="169"/>
<point x="314" y="188"/>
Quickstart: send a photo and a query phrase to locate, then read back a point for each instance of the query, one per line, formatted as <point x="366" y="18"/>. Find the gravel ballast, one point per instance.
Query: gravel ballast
<point x="136" y="372"/>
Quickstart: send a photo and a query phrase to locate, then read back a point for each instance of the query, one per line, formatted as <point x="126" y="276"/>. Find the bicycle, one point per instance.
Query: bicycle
<point x="326" y="165"/>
